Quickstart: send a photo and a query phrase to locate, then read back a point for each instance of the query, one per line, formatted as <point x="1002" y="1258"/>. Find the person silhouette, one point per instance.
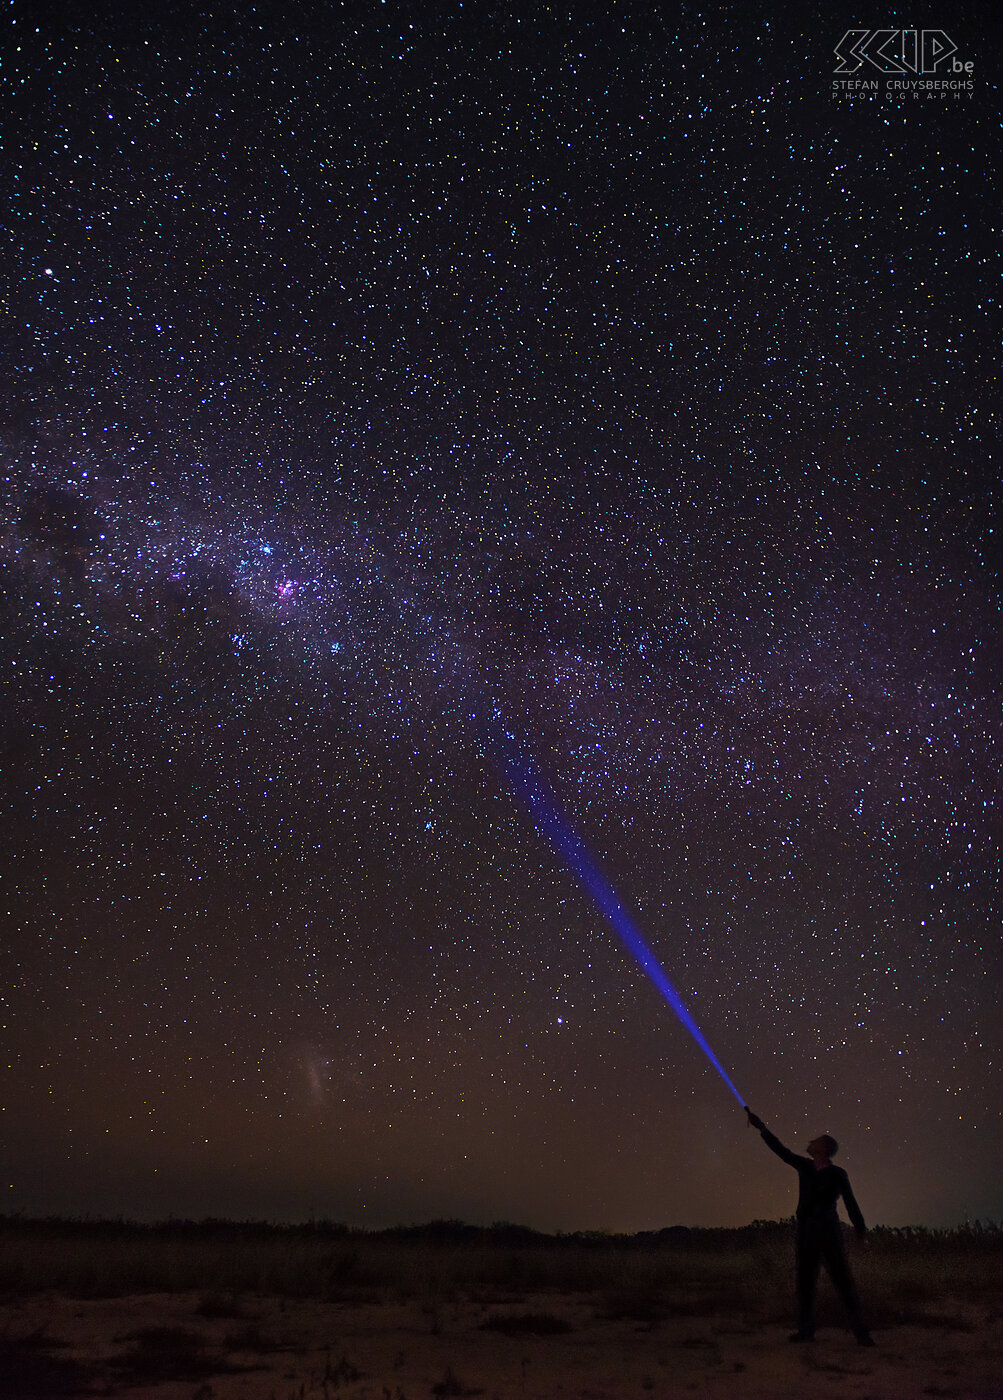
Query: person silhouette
<point x="819" y="1234"/>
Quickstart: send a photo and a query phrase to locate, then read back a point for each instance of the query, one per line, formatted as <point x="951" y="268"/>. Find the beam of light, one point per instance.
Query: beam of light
<point x="551" y="824"/>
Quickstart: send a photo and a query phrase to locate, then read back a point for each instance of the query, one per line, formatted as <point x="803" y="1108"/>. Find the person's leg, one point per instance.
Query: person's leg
<point x="838" y="1268"/>
<point x="808" y="1259"/>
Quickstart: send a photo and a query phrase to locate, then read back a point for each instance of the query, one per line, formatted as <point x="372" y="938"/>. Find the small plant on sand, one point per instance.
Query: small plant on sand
<point x="635" y="1303"/>
<point x="27" y="1368"/>
<point x="219" y="1305"/>
<point x="344" y="1371"/>
<point x="539" y="1324"/>
<point x="452" y="1385"/>
<point x="161" y="1354"/>
<point x="252" y="1338"/>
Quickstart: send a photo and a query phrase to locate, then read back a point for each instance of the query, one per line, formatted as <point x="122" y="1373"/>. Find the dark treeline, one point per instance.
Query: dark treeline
<point x="452" y="1233"/>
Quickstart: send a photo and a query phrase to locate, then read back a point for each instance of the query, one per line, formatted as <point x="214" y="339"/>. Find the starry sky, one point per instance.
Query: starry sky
<point x="373" y="368"/>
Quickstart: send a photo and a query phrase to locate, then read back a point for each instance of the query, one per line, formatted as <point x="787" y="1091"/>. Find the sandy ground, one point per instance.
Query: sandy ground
<point x="167" y="1346"/>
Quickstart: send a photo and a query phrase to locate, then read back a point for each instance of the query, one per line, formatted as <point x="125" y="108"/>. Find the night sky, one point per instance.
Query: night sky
<point x="379" y="376"/>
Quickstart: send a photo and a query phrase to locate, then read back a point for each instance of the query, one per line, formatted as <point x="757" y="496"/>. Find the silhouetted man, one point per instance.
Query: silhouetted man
<point x="819" y="1233"/>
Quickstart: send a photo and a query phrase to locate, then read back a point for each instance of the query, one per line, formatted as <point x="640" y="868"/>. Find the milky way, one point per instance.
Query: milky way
<point x="372" y="373"/>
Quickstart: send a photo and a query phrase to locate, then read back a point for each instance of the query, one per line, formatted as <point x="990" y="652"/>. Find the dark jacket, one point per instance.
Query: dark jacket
<point x="820" y="1190"/>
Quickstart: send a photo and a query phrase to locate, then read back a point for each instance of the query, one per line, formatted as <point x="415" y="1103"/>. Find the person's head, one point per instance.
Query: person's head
<point x="824" y="1147"/>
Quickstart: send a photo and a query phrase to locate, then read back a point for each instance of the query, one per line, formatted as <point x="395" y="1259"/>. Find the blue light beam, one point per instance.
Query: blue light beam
<point x="543" y="806"/>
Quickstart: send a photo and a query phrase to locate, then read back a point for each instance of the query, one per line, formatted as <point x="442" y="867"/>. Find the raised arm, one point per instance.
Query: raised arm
<point x="775" y="1145"/>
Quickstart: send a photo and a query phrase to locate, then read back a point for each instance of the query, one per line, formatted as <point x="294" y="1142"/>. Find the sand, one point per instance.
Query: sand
<point x="190" y="1347"/>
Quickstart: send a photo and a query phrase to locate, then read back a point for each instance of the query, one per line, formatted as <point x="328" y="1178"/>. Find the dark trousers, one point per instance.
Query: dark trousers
<point x="814" y="1248"/>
